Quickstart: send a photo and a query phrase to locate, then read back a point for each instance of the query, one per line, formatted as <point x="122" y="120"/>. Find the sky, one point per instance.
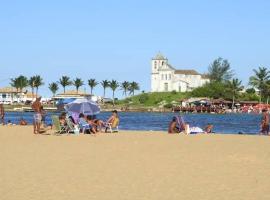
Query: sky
<point x="116" y="39"/>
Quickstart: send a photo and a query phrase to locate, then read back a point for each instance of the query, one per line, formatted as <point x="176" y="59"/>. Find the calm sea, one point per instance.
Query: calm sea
<point x="223" y="123"/>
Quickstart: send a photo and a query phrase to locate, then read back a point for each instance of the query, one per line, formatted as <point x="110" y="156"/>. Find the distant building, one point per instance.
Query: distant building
<point x="9" y="95"/>
<point x="166" y="78"/>
<point x="71" y="94"/>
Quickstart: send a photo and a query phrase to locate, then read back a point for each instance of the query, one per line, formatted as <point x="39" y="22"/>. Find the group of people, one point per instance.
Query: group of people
<point x="87" y="123"/>
<point x="178" y="125"/>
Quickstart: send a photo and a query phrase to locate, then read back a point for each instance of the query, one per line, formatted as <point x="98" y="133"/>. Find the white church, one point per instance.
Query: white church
<point x="165" y="78"/>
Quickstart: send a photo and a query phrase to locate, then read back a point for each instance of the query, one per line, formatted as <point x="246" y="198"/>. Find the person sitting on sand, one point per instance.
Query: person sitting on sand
<point x="113" y="121"/>
<point x="173" y="126"/>
<point x="265" y="122"/>
<point x="23" y="122"/>
<point x="177" y="125"/>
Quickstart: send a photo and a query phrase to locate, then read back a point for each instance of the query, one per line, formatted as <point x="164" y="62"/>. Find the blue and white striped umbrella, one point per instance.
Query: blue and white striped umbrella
<point x="85" y="106"/>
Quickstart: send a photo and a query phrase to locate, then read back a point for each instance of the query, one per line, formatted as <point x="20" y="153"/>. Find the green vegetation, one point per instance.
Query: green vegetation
<point x="154" y="99"/>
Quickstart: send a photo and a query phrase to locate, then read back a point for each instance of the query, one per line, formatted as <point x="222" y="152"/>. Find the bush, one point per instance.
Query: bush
<point x="169" y="106"/>
<point x="173" y="92"/>
<point x="143" y="98"/>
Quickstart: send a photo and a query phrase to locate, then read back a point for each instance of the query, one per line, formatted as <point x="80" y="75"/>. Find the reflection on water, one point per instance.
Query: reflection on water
<point x="225" y="123"/>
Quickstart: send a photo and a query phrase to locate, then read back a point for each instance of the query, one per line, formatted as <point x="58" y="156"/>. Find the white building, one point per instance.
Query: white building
<point x="166" y="78"/>
<point x="9" y="95"/>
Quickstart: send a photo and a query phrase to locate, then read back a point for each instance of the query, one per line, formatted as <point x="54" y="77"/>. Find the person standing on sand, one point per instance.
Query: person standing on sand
<point x="2" y="114"/>
<point x="265" y="122"/>
<point x="36" y="106"/>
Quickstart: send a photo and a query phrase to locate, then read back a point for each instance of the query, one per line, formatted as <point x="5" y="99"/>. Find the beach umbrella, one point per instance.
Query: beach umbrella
<point x="85" y="106"/>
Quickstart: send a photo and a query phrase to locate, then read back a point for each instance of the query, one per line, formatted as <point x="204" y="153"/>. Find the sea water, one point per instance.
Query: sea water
<point x="223" y="123"/>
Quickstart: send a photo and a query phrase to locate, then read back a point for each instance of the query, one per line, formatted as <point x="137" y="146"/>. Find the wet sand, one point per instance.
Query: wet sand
<point x="132" y="165"/>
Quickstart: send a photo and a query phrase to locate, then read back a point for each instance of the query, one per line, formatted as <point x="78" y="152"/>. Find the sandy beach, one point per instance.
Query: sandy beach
<point x="132" y="165"/>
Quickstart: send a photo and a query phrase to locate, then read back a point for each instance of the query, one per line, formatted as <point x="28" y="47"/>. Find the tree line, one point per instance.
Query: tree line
<point x="35" y="82"/>
<point x="223" y="84"/>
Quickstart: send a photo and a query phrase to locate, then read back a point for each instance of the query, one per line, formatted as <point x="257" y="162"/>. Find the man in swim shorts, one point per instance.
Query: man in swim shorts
<point x="265" y="122"/>
<point x="36" y="106"/>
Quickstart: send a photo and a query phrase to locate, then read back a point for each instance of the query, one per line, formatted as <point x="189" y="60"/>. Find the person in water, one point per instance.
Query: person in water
<point x="265" y="122"/>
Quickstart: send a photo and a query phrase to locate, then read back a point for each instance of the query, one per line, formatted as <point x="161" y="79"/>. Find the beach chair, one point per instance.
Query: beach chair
<point x="70" y="126"/>
<point x="56" y="123"/>
<point x="113" y="127"/>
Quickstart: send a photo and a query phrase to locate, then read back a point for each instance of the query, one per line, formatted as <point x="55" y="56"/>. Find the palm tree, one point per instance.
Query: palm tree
<point x="234" y="87"/>
<point x="15" y="83"/>
<point x="19" y="83"/>
<point x="78" y="83"/>
<point x="53" y="87"/>
<point x="38" y="83"/>
<point x="220" y="70"/>
<point x="133" y="87"/>
<point x="105" y="84"/>
<point x="65" y="81"/>
<point x="92" y="83"/>
<point x="32" y="84"/>
<point x="125" y="86"/>
<point x="114" y="85"/>
<point x="259" y="80"/>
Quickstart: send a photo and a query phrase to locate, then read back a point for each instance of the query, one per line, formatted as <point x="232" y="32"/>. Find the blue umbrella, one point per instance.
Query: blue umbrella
<point x="85" y="106"/>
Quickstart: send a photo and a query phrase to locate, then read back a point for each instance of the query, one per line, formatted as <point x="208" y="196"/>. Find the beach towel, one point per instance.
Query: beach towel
<point x="195" y="130"/>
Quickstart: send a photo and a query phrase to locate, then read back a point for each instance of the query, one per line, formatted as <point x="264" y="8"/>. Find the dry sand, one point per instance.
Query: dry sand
<point x="132" y="165"/>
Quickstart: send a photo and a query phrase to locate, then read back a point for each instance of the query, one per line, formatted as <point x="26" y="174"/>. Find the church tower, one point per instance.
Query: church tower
<point x="157" y="62"/>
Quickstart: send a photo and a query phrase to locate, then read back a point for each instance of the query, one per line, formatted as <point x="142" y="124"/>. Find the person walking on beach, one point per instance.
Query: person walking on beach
<point x="265" y="122"/>
<point x="2" y="114"/>
<point x="36" y="106"/>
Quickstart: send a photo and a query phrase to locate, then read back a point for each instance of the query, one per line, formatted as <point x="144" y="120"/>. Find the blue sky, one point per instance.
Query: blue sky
<point x="117" y="39"/>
